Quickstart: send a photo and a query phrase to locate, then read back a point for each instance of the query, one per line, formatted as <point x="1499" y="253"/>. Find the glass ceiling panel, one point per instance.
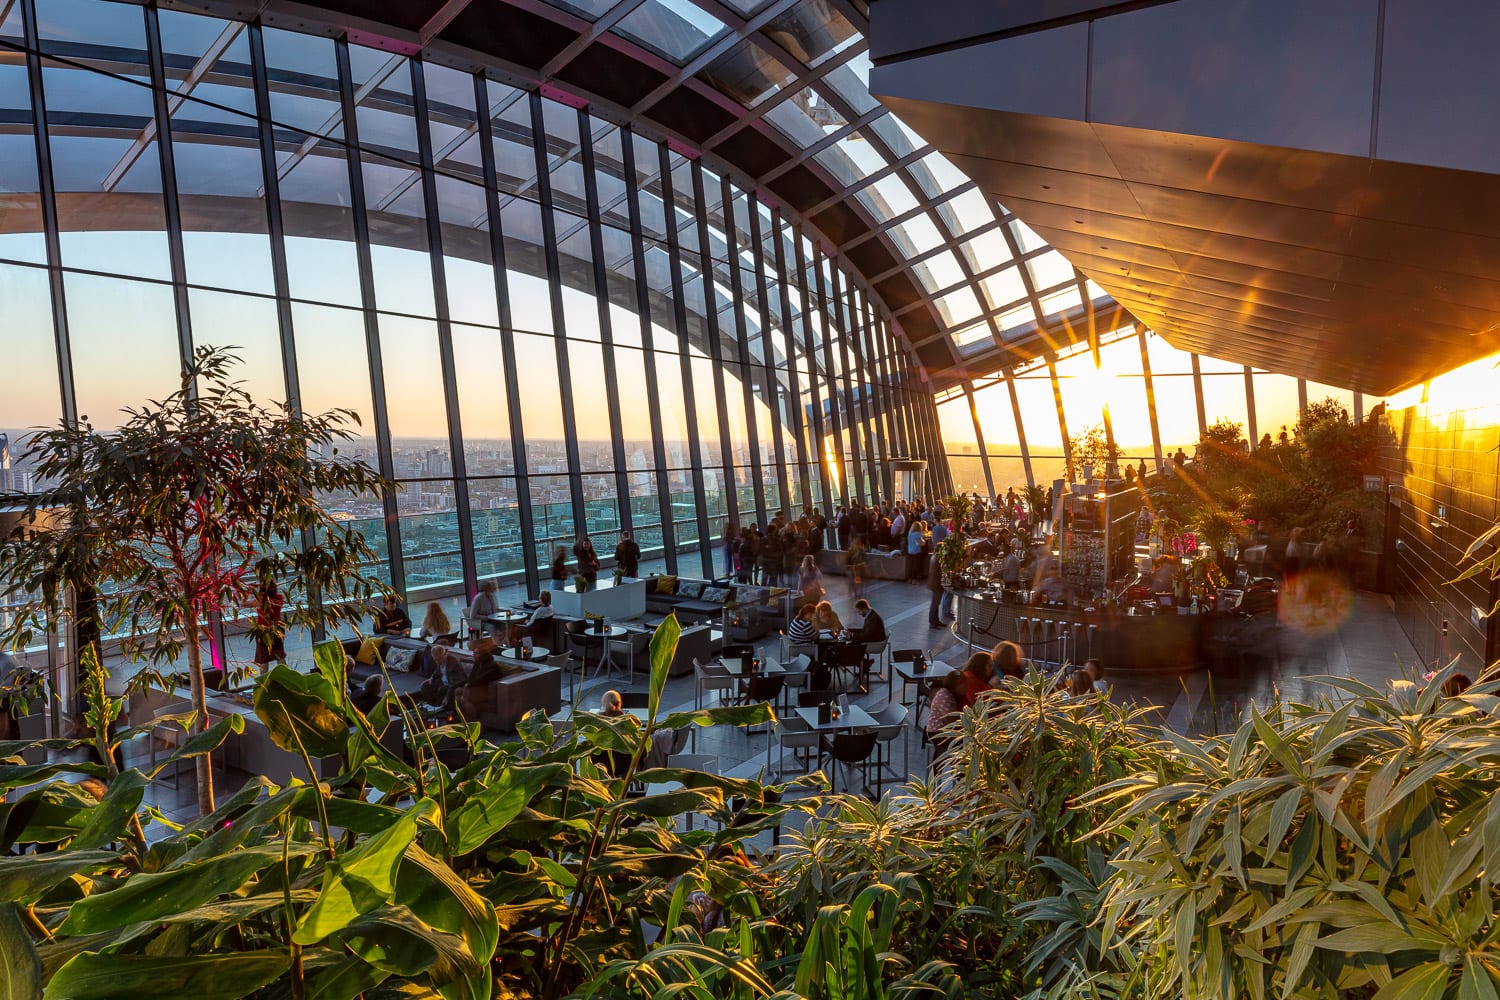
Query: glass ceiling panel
<point x="985" y="251"/>
<point x="1003" y="287"/>
<point x="1018" y="320"/>
<point x="958" y="306"/>
<point x="851" y="159"/>
<point x="811" y="30"/>
<point x="898" y="137"/>
<point x="1026" y="237"/>
<point x="887" y="198"/>
<point x="966" y="212"/>
<point x="674" y="29"/>
<point x="973" y="338"/>
<point x="1048" y="269"/>
<point x="746" y="7"/>
<point x="936" y="176"/>
<point x="849" y="82"/>
<point x="939" y="271"/>
<point x="747" y="73"/>
<point x="805" y="117"/>
<point x="591" y="9"/>
<point x="1060" y="302"/>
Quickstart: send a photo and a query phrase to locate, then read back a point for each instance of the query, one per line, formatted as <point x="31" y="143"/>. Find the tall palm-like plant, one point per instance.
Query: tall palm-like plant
<point x="176" y="517"/>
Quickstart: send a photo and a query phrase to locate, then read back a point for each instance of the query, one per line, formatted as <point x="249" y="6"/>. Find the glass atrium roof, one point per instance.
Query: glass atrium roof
<point x="778" y="90"/>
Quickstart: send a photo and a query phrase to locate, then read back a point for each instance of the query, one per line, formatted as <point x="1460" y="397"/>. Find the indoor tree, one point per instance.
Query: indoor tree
<point x="173" y="520"/>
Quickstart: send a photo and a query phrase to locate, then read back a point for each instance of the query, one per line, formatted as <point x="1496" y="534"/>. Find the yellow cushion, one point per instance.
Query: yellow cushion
<point x="368" y="650"/>
<point x="666" y="584"/>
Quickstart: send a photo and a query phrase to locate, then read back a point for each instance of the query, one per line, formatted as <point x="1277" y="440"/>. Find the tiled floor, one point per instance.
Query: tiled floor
<point x="1365" y="643"/>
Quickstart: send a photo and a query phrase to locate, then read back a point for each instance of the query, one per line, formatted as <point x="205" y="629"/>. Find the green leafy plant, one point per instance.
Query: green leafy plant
<point x="167" y="524"/>
<point x="1092" y="453"/>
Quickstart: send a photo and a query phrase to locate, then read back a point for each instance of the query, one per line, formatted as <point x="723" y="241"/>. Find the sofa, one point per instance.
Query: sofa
<point x="879" y="564"/>
<point x="501" y="703"/>
<point x="691" y="600"/>
<point x="696" y="642"/>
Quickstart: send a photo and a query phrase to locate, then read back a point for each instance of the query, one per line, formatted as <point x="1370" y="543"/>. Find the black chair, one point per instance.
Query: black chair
<point x="737" y="652"/>
<point x="635" y="699"/>
<point x="812" y="699"/>
<point x="851" y="749"/>
<point x="763" y="687"/>
<point x="849" y="658"/>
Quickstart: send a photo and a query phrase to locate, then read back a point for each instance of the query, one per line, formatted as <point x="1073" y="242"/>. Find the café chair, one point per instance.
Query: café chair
<point x="851" y="749"/>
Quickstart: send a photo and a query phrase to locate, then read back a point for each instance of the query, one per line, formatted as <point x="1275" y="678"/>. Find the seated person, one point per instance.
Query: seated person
<point x="528" y="628"/>
<point x="435" y="623"/>
<point x="976" y="677"/>
<point x="871" y="627"/>
<point x="369" y="695"/>
<point x="827" y="618"/>
<point x="611" y="704"/>
<point x="391" y="618"/>
<point x="448" y="674"/>
<point x="804" y="627"/>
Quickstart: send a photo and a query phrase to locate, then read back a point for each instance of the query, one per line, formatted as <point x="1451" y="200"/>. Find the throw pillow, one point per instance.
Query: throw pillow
<point x="691" y="589"/>
<point x="716" y="595"/>
<point x="368" y="650"/>
<point x="666" y="584"/>
<point x="404" y="660"/>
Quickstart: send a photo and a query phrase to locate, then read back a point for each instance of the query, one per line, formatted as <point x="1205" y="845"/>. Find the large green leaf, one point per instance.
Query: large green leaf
<point x="357" y="882"/>
<point x="488" y="812"/>
<point x="28" y="876"/>
<point x="438" y="897"/>
<point x="114" y="812"/>
<point x="1425" y="982"/>
<point x="159" y="895"/>
<point x="92" y="976"/>
<point x="296" y="710"/>
<point x="205" y="742"/>
<point x="50" y="814"/>
<point x="19" y="775"/>
<point x="344" y="980"/>
<point x="674" y="803"/>
<point x="20" y="968"/>
<point x="332" y="664"/>
<point x="663" y="649"/>
<point x="729" y="715"/>
<point x="394" y="940"/>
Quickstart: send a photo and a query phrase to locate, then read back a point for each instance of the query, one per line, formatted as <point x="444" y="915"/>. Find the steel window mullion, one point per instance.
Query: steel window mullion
<point x="859" y="343"/>
<point x="606" y="330"/>
<point x="1140" y="332"/>
<point x="559" y="319"/>
<point x="715" y="347"/>
<point x="684" y="357"/>
<point x="1252" y="435"/>
<point x="758" y="257"/>
<point x="875" y="352"/>
<point x="984" y="455"/>
<point x="176" y="259"/>
<point x="820" y="447"/>
<point x="510" y="374"/>
<point x="830" y="379"/>
<point x="648" y="349"/>
<point x="1198" y="396"/>
<point x="280" y="279"/>
<point x="67" y="396"/>
<point x="742" y="344"/>
<point x="1062" y="417"/>
<point x="858" y="429"/>
<point x="457" y="460"/>
<point x="1015" y="409"/>
<point x="384" y="456"/>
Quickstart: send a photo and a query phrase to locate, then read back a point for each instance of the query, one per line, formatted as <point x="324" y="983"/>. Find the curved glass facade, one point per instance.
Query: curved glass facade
<point x="547" y="323"/>
<point x="1011" y="427"/>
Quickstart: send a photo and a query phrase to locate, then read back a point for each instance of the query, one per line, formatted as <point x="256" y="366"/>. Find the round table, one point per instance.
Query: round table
<point x="538" y="653"/>
<point x="591" y="635"/>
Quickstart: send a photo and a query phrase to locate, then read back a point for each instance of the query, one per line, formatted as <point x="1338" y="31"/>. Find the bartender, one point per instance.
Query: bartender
<point x="1051" y="588"/>
<point x="1164" y="575"/>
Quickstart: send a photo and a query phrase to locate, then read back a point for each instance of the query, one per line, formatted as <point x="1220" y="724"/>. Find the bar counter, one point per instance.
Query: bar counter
<point x="1164" y="641"/>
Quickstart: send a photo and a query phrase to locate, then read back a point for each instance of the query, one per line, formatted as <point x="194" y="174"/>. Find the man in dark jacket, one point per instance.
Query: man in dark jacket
<point x="872" y="628"/>
<point x="628" y="555"/>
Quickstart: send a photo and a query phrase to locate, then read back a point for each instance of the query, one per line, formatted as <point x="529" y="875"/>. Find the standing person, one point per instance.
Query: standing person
<point x="628" y="555"/>
<point x="770" y="555"/>
<point x="559" y="568"/>
<point x="750" y="545"/>
<point x="935" y="585"/>
<point x="915" y="541"/>
<point x="731" y="544"/>
<point x="843" y="526"/>
<point x="270" y="645"/>
<point x="810" y="580"/>
<point x="588" y="560"/>
<point x="817" y="535"/>
<point x="857" y="566"/>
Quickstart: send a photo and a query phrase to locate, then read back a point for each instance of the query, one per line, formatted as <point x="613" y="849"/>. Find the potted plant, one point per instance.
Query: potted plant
<point x="580" y="583"/>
